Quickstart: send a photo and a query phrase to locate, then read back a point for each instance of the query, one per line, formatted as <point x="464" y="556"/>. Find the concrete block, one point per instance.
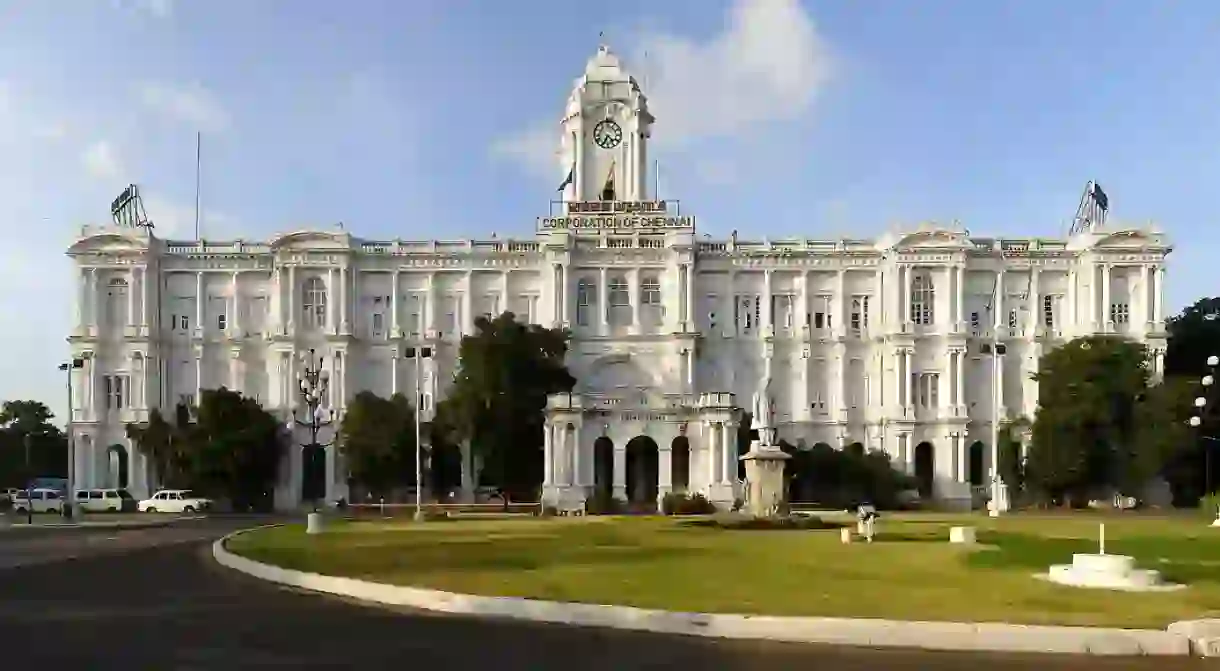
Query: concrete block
<point x="962" y="535"/>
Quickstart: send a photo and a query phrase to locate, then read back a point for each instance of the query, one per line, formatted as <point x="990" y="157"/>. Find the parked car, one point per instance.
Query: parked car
<point x="39" y="500"/>
<point x="174" y="501"/>
<point x="105" y="500"/>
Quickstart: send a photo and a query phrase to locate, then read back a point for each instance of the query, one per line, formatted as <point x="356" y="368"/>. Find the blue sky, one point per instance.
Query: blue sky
<point x="425" y="118"/>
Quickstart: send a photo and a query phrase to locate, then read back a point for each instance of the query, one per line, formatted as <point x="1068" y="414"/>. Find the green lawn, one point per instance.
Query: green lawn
<point x="911" y="572"/>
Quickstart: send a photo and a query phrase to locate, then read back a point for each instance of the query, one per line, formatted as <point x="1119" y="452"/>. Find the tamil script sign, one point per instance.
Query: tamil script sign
<point x="618" y="207"/>
<point x="596" y="222"/>
<point x="616" y="214"/>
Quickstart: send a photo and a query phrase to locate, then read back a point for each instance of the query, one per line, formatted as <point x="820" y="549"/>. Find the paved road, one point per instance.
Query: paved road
<point x="152" y="599"/>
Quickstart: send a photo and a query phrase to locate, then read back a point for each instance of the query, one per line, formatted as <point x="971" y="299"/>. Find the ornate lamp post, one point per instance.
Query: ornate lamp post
<point x="999" y="489"/>
<point x="1201" y="402"/>
<point x="70" y="496"/>
<point x="314" y="383"/>
<point x="418" y="354"/>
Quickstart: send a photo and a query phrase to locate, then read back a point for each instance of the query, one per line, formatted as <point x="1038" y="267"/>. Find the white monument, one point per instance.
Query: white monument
<point x="766" y="492"/>
<point x="1107" y="571"/>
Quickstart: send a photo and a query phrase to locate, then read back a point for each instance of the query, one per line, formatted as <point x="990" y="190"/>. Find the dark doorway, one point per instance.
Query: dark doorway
<point x="603" y="466"/>
<point x="975" y="462"/>
<point x="643" y="467"/>
<point x="925" y="468"/>
<point x="118" y="465"/>
<point x="679" y="456"/>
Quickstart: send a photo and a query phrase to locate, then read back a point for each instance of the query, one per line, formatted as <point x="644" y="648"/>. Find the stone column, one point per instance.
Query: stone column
<point x="395" y="363"/>
<point x="665" y="471"/>
<point x="633" y="287"/>
<point x="235" y="370"/>
<point x="620" y="471"/>
<point x="728" y="450"/>
<point x="465" y="323"/>
<point x="768" y="316"/>
<point x="961" y="377"/>
<point x="691" y="298"/>
<point x="235" y="319"/>
<point x="198" y="374"/>
<point x="711" y="432"/>
<point x="907" y="377"/>
<point x="1108" y="324"/>
<point x="429" y="312"/>
<point x="200" y="298"/>
<point x="603" y="302"/>
<point x="548" y="455"/>
<point x="395" y="327"/>
<point x="963" y="460"/>
<point x="1158" y="296"/>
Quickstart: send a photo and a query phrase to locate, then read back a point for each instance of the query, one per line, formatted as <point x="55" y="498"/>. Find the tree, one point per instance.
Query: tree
<point x="1011" y="462"/>
<point x="1084" y="432"/>
<point x="498" y="399"/>
<point x="26" y="426"/>
<point x="165" y="445"/>
<point x="234" y="447"/>
<point x="1194" y="335"/>
<point x="378" y="439"/>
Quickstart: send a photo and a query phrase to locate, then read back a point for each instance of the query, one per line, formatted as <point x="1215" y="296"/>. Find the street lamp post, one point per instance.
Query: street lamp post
<point x="1196" y="421"/>
<point x="313" y="383"/>
<point x="999" y="490"/>
<point x="69" y="497"/>
<point x="418" y="354"/>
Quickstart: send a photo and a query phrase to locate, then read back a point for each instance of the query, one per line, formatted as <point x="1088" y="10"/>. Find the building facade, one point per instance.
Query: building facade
<point x="884" y="343"/>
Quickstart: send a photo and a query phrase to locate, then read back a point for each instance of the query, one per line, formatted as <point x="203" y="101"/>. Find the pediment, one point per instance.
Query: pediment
<point x="324" y="240"/>
<point x="109" y="241"/>
<point x="1129" y="239"/>
<point x="930" y="238"/>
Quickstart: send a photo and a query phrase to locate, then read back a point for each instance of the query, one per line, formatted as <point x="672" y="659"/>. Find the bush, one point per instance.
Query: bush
<point x="845" y="478"/>
<point x="549" y="511"/>
<point x="746" y="523"/>
<point x="604" y="503"/>
<point x="681" y="503"/>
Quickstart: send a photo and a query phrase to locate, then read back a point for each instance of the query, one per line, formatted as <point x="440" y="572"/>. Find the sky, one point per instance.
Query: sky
<point x="775" y="118"/>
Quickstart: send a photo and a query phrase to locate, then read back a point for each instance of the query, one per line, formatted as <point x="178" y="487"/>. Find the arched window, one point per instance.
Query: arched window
<point x="923" y="298"/>
<point x="315" y="303"/>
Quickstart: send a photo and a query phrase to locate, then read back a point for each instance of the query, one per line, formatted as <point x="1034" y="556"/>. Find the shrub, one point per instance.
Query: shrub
<point x="681" y="503"/>
<point x="1209" y="504"/>
<point x="604" y="503"/>
<point x="746" y="523"/>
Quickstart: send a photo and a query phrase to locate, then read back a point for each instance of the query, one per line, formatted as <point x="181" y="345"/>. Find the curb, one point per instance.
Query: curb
<point x="137" y="524"/>
<point x="1193" y="637"/>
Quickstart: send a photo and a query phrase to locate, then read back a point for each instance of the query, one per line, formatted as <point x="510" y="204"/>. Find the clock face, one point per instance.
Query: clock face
<point x="607" y="134"/>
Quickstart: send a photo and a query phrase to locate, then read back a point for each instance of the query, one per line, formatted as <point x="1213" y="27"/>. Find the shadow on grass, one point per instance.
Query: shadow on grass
<point x="743" y="523"/>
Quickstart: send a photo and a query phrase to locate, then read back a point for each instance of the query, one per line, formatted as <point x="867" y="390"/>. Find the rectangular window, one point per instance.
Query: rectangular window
<point x="585" y="292"/>
<point x="746" y="315"/>
<point x="652" y="311"/>
<point x="975" y="324"/>
<point x="1012" y="319"/>
<point x="1048" y="311"/>
<point x="117" y="391"/>
<point x="221" y="323"/>
<point x="415" y="313"/>
<point x="1120" y="313"/>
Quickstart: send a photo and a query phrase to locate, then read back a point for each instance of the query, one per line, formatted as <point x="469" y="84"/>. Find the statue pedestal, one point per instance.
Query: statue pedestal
<point x="766" y="492"/>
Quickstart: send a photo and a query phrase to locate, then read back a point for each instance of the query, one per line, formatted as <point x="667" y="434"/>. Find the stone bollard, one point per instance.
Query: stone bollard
<point x="961" y="535"/>
<point x="313" y="523"/>
<point x="845" y="535"/>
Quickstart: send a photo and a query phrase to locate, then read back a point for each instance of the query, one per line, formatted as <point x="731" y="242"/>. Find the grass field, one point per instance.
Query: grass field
<point x="911" y="572"/>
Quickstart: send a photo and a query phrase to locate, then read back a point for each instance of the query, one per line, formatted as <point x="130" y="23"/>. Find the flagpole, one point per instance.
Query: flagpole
<point x="198" y="162"/>
<point x="656" y="180"/>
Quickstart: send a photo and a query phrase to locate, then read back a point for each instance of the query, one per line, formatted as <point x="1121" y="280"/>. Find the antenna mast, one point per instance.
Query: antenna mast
<point x="198" y="159"/>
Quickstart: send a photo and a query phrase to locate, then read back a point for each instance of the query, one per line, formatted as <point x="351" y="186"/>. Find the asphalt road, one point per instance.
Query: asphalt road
<point x="153" y="599"/>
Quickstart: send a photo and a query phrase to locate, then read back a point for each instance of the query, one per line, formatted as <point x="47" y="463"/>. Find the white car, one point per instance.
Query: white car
<point x="174" y="501"/>
<point x="104" y="500"/>
<point x="40" y="500"/>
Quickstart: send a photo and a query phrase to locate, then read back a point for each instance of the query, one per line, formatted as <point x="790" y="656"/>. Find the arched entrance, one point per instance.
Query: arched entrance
<point x="603" y="467"/>
<point x="313" y="473"/>
<point x="975" y="463"/>
<point x="679" y="459"/>
<point x="925" y="468"/>
<point x="643" y="466"/>
<point x="117" y="466"/>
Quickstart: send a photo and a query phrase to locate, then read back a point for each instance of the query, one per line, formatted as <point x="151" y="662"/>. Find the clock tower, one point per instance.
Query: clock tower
<point x="606" y="126"/>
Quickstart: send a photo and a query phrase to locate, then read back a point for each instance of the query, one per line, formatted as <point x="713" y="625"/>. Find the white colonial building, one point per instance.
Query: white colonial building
<point x="878" y="343"/>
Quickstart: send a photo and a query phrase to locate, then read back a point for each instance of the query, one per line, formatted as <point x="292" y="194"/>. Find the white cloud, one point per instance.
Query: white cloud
<point x="158" y="9"/>
<point x="766" y="66"/>
<point x="101" y="160"/>
<point x="190" y="104"/>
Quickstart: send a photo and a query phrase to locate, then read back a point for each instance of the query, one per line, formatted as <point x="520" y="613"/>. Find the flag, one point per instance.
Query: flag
<point x="569" y="179"/>
<point x="608" y="189"/>
<point x="1100" y="197"/>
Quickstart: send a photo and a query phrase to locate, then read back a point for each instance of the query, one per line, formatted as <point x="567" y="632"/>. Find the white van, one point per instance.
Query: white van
<point x="105" y="500"/>
<point x="40" y="500"/>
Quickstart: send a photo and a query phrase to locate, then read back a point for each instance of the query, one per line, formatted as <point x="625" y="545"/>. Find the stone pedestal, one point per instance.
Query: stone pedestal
<point x="766" y="492"/>
<point x="999" y="503"/>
